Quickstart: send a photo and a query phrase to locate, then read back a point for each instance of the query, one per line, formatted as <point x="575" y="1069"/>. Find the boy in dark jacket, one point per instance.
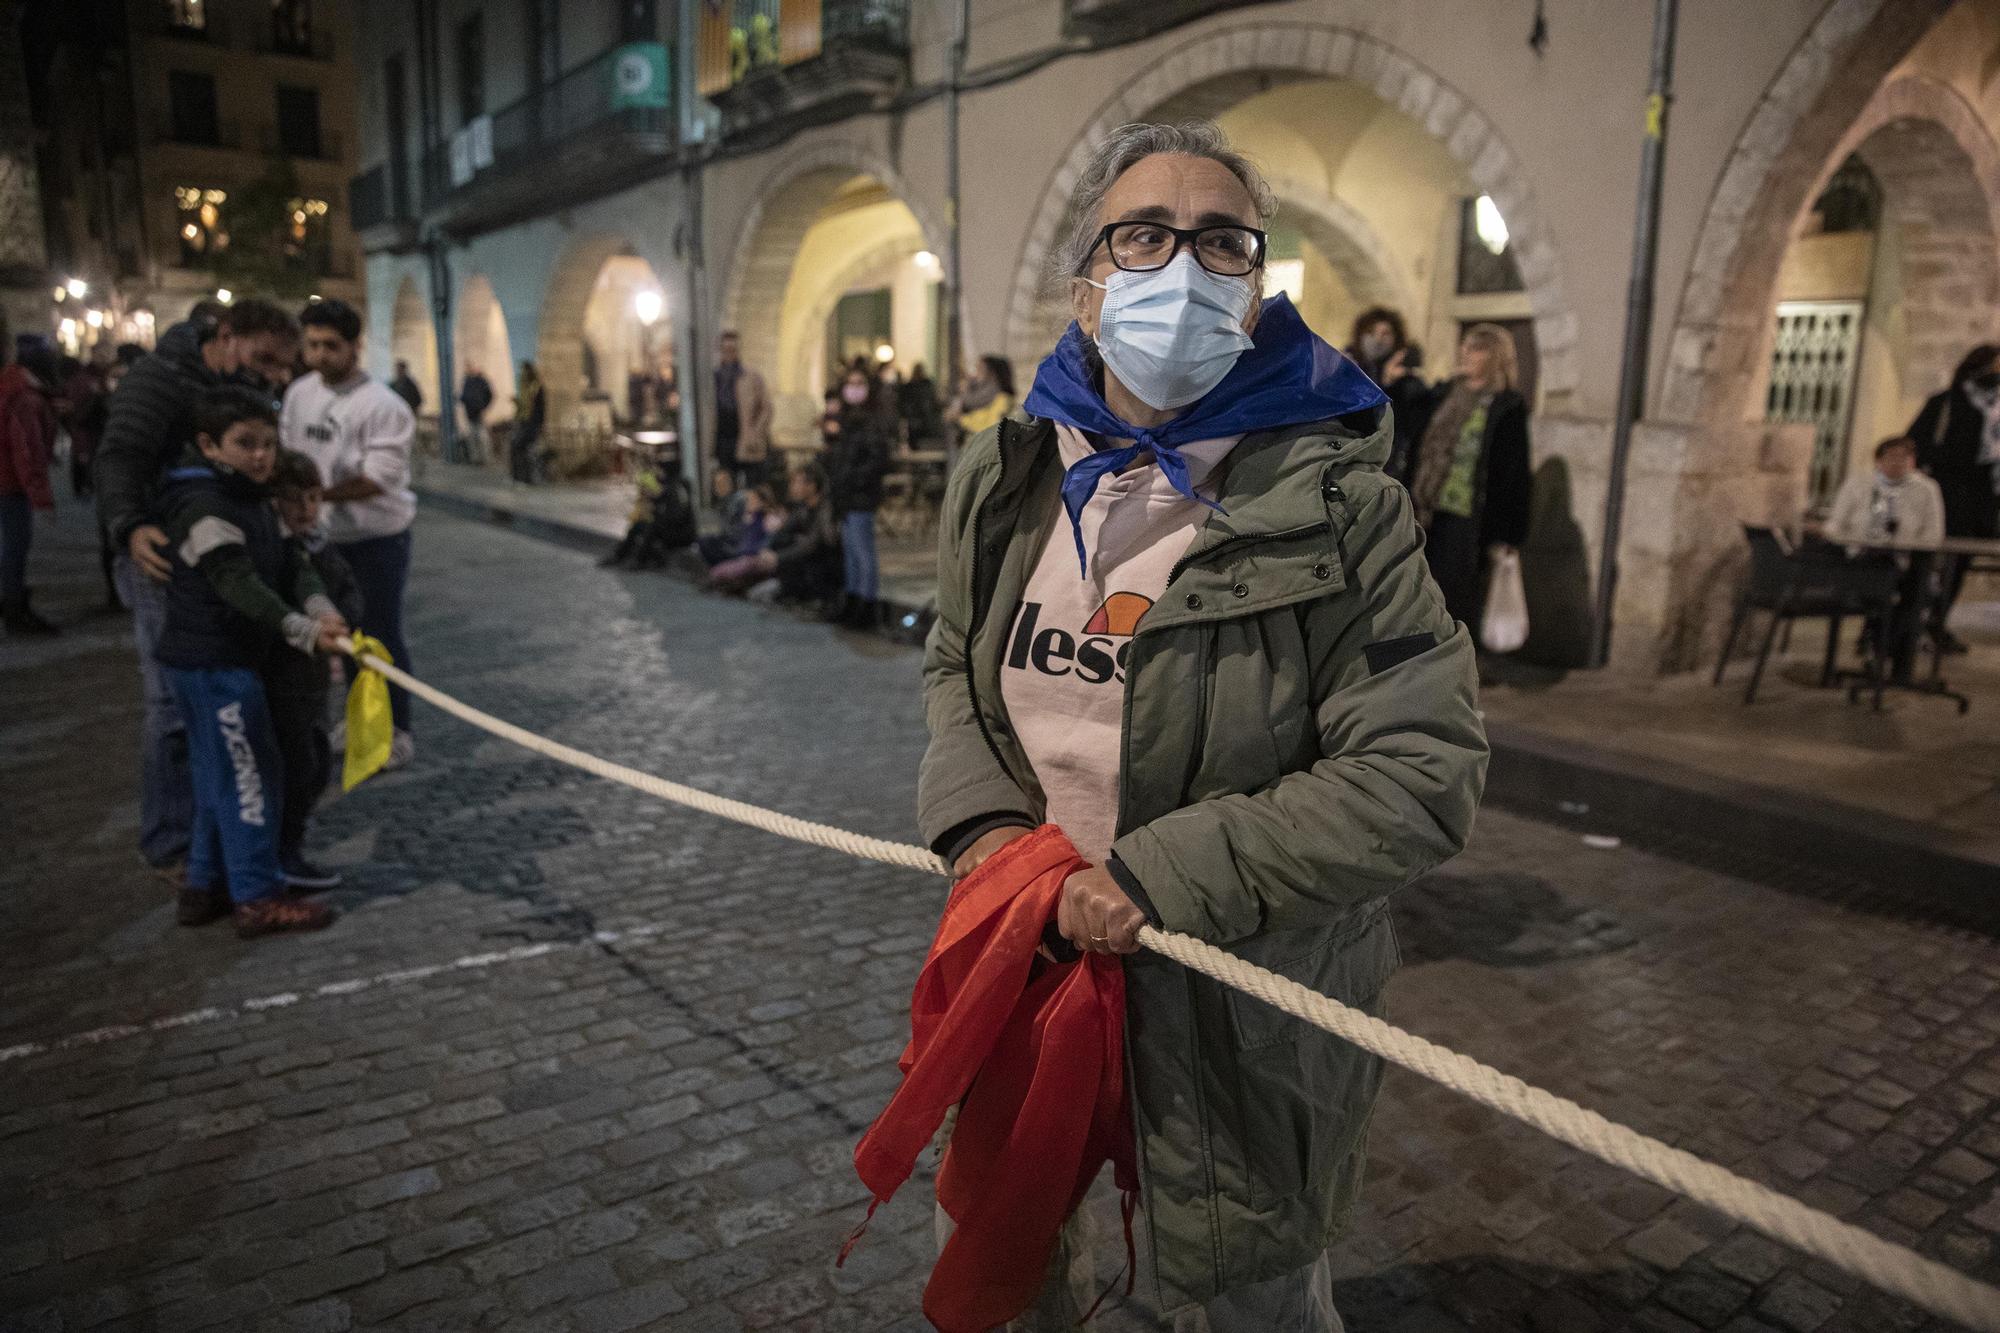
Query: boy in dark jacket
<point x="227" y="615"/>
<point x="297" y="685"/>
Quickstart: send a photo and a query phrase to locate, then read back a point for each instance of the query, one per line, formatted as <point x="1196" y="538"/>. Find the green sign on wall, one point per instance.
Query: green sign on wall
<point x="639" y="76"/>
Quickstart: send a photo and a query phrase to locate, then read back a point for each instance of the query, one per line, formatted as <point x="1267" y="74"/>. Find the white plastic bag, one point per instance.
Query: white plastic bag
<point x="1504" y="626"/>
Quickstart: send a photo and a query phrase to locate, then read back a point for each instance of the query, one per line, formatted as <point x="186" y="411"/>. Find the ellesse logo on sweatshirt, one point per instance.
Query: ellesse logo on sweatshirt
<point x="1095" y="654"/>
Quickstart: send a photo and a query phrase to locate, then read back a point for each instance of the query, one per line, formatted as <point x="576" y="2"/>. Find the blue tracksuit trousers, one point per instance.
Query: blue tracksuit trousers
<point x="238" y="783"/>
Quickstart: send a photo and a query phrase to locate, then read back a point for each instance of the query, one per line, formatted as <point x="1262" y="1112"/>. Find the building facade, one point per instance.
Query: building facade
<point x="1827" y="236"/>
<point x="191" y="147"/>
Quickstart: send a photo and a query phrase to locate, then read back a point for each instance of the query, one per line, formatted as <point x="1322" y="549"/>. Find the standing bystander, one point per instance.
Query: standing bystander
<point x="27" y="440"/>
<point x="1958" y="444"/>
<point x="476" y="397"/>
<point x="858" y="444"/>
<point x="150" y="425"/>
<point x="525" y="443"/>
<point x="359" y="432"/>
<point x="406" y="388"/>
<point x="742" y="414"/>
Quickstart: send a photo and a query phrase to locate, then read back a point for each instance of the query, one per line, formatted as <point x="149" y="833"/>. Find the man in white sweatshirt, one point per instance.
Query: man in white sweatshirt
<point x="359" y="432"/>
<point x="1895" y="505"/>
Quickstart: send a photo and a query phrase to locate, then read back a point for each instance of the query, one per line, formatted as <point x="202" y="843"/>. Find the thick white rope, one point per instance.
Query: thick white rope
<point x="1891" y="1267"/>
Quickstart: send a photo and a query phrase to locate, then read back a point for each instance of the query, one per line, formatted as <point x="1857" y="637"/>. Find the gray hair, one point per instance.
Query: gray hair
<point x="1123" y="149"/>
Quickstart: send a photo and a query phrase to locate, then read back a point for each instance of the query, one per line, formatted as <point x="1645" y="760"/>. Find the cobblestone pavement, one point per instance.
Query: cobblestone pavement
<point x="651" y="1130"/>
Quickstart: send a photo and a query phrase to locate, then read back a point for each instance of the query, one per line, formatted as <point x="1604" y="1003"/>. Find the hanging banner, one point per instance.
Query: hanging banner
<point x="639" y="76"/>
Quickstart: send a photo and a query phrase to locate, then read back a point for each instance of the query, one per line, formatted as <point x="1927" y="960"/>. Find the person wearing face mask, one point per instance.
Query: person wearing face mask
<point x="1470" y="479"/>
<point x="1184" y="617"/>
<point x="1958" y="444"/>
<point x="857" y="430"/>
<point x="149" y="426"/>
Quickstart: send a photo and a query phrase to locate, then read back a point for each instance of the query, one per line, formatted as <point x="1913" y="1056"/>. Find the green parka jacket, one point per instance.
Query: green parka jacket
<point x="1300" y="741"/>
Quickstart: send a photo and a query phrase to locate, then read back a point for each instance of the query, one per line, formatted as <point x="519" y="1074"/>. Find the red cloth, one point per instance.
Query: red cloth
<point x="27" y="438"/>
<point x="1032" y="1054"/>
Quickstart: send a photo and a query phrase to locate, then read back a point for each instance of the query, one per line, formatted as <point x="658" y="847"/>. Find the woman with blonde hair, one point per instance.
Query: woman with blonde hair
<point x="1470" y="481"/>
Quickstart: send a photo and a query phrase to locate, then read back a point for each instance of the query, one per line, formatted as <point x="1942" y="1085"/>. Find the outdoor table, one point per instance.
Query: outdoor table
<point x="1983" y="552"/>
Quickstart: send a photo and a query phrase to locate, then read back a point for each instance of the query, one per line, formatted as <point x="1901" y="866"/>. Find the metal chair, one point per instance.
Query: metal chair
<point x="1794" y="582"/>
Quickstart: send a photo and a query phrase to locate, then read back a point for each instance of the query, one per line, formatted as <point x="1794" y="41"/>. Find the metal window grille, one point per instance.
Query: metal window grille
<point x="1814" y="360"/>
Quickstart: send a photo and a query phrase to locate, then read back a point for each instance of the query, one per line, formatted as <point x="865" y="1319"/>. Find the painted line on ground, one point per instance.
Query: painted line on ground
<point x="327" y="990"/>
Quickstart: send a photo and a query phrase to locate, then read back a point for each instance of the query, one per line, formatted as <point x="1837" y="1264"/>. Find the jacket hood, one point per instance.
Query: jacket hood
<point x="181" y="346"/>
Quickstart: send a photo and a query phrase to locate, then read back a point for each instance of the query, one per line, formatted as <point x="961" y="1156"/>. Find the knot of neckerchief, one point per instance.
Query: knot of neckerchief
<point x="1079" y="483"/>
<point x="1288" y="376"/>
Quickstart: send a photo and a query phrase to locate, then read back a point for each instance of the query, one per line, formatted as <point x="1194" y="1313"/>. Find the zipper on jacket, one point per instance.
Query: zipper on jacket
<point x="978" y="617"/>
<point x="1246" y="539"/>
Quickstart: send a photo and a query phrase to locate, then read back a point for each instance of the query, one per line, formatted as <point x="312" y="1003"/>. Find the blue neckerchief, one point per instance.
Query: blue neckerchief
<point x="1289" y="376"/>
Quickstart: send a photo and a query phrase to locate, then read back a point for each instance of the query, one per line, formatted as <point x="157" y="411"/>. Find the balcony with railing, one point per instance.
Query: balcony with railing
<point x="772" y="64"/>
<point x="599" y="128"/>
<point x="1125" y="20"/>
<point x="381" y="210"/>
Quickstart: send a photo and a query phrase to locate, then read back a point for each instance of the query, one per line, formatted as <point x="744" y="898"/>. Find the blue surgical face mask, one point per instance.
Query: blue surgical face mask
<point x="1170" y="335"/>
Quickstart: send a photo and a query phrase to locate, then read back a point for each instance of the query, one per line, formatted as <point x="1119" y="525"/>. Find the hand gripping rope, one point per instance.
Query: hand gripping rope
<point x="1893" y="1268"/>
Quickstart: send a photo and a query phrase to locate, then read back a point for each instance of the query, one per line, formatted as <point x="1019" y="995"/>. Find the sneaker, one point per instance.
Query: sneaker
<point x="402" y="749"/>
<point x="280" y="915"/>
<point x="305" y="877"/>
<point x="198" y="907"/>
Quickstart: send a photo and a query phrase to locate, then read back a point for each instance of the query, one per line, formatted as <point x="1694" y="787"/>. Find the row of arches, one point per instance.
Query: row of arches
<point x="1372" y="156"/>
<point x="838" y="255"/>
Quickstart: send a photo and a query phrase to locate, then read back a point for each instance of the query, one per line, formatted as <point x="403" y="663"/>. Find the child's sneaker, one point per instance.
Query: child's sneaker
<point x="198" y="907"/>
<point x="279" y="915"/>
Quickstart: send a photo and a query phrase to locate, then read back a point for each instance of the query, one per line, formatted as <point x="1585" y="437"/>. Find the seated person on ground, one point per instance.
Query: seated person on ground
<point x="758" y="518"/>
<point x="802" y="563"/>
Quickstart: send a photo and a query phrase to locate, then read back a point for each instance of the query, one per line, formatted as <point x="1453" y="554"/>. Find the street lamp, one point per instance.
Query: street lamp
<point x="885" y="353"/>
<point x="94" y="318"/>
<point x="77" y="287"/>
<point x="646" y="304"/>
<point x="224" y="295"/>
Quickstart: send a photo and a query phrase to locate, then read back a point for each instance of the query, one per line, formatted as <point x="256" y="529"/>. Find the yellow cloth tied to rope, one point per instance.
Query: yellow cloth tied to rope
<point x="369" y="726"/>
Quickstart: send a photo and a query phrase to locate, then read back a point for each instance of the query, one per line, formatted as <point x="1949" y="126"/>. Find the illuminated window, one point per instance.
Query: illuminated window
<point x="189" y="14"/>
<point x="307" y="245"/>
<point x="203" y="231"/>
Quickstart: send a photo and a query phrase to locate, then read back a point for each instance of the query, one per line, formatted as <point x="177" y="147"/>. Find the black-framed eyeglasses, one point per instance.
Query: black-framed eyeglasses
<point x="1225" y="250"/>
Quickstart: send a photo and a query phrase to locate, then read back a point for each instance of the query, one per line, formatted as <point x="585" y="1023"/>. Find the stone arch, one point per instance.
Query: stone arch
<point x="479" y="338"/>
<point x="1338" y="231"/>
<point x="786" y="205"/>
<point x="1212" y="72"/>
<point x="1939" y="168"/>
<point x="412" y="338"/>
<point x="1781" y="159"/>
<point x="559" y="350"/>
<point x="868" y="261"/>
